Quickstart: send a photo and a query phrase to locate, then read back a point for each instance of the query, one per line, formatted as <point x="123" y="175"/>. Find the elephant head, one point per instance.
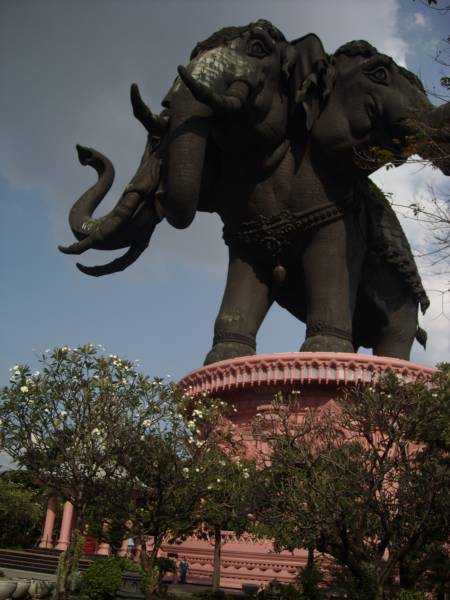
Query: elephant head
<point x="233" y="80"/>
<point x="228" y="97"/>
<point x="377" y="110"/>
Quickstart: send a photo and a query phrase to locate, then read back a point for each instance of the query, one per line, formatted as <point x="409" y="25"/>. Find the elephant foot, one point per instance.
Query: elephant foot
<point x="326" y="343"/>
<point x="227" y="350"/>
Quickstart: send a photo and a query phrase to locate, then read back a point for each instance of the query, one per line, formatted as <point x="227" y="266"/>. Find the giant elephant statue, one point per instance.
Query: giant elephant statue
<point x="272" y="136"/>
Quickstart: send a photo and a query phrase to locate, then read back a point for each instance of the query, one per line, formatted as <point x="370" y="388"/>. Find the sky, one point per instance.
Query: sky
<point x="65" y="72"/>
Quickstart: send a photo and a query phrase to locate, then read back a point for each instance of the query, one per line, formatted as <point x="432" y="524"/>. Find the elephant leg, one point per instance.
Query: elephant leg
<point x="396" y="338"/>
<point x="332" y="262"/>
<point x="386" y="312"/>
<point x="245" y="303"/>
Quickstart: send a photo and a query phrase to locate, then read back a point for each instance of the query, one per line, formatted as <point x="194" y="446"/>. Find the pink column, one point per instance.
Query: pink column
<point x="66" y="527"/>
<point x="104" y="548"/>
<point x="124" y="547"/>
<point x="47" y="534"/>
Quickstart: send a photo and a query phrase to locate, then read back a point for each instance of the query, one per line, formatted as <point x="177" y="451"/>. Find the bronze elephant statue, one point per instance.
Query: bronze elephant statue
<point x="274" y="137"/>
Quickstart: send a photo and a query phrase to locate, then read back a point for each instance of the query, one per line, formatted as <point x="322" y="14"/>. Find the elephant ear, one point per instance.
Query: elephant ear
<point x="311" y="75"/>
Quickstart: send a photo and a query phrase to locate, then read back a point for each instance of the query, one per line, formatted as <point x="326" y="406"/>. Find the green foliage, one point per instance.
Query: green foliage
<point x="62" y="423"/>
<point x="21" y="510"/>
<point x="308" y="581"/>
<point x="91" y="426"/>
<point x="410" y="595"/>
<point x="166" y="565"/>
<point x="367" y="483"/>
<point x="103" y="578"/>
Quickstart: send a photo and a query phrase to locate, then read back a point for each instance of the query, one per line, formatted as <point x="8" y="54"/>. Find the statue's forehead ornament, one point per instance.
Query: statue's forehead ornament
<point x="211" y="65"/>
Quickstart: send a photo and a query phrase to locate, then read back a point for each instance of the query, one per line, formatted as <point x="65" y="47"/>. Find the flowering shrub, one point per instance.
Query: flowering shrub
<point x="103" y="578"/>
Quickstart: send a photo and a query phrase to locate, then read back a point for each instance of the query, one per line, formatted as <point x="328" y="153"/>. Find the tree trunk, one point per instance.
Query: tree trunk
<point x="379" y="593"/>
<point x="217" y="553"/>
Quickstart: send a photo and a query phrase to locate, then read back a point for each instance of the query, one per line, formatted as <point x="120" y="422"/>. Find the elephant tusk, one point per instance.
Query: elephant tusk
<point x="78" y="247"/>
<point x="156" y="125"/>
<point x="118" y="264"/>
<point x="230" y="102"/>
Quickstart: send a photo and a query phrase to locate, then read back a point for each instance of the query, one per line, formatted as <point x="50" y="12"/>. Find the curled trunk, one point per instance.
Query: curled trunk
<point x="129" y="224"/>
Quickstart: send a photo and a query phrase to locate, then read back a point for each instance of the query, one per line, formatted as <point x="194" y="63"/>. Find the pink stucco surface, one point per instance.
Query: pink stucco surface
<point x="249" y="384"/>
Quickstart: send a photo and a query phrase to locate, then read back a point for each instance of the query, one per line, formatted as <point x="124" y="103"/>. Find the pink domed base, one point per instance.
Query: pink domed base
<point x="249" y="383"/>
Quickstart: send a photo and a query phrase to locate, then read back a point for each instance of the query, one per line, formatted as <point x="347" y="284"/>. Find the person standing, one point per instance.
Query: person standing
<point x="184" y="568"/>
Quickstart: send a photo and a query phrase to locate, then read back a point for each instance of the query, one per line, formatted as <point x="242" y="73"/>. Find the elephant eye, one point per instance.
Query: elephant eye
<point x="379" y="75"/>
<point x="257" y="48"/>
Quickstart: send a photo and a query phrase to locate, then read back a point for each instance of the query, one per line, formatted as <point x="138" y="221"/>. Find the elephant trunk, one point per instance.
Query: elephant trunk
<point x="189" y="129"/>
<point x="81" y="212"/>
<point x="129" y="221"/>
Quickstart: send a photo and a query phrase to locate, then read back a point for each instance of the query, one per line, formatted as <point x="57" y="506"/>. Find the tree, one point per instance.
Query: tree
<point x="366" y="482"/>
<point x="226" y="501"/>
<point x="67" y="426"/>
<point x="21" y="509"/>
<point x="173" y="473"/>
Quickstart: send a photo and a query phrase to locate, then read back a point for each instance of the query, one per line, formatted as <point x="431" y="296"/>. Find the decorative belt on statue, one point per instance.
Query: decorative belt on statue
<point x="274" y="234"/>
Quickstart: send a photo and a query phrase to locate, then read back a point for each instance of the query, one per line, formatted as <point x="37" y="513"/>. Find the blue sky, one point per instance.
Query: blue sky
<point x="65" y="70"/>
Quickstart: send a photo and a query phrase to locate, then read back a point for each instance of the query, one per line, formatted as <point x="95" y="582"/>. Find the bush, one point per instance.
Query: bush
<point x="309" y="579"/>
<point x="410" y="595"/>
<point x="102" y="579"/>
<point x="210" y="595"/>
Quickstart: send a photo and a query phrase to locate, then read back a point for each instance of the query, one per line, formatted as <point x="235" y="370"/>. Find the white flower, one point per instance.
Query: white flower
<point x="185" y="469"/>
<point x="24" y="389"/>
<point x="434" y="395"/>
<point x="199" y="444"/>
<point x="246" y="474"/>
<point x="191" y="424"/>
<point x="197" y="470"/>
<point x="95" y="431"/>
<point x="30" y="401"/>
<point x="197" y="413"/>
<point x="146" y="422"/>
<point x="209" y="487"/>
<point x="124" y="380"/>
<point x="218" y="480"/>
